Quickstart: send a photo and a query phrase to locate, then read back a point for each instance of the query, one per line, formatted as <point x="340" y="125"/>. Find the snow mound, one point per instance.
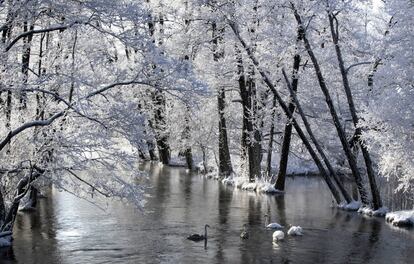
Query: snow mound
<point x="259" y="185"/>
<point x="267" y="187"/>
<point x="6" y="239"/>
<point x="371" y="212"/>
<point x="228" y="181"/>
<point x="200" y="168"/>
<point x="239" y="181"/>
<point x="401" y="218"/>
<point x="249" y="186"/>
<point x="352" y="206"/>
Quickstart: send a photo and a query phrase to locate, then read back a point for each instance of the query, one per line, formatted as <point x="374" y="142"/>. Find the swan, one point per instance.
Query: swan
<point x="278" y="235"/>
<point x="295" y="231"/>
<point x="197" y="237"/>
<point x="271" y="225"/>
<point x="245" y="233"/>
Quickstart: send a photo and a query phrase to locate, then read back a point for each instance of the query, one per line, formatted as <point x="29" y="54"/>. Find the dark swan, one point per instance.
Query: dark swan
<point x="197" y="237"/>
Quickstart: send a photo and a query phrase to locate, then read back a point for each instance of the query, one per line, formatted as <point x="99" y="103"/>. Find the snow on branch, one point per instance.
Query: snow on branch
<point x="39" y="31"/>
<point x="28" y="125"/>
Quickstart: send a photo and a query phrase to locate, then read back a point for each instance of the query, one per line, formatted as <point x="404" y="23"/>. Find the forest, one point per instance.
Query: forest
<point x="99" y="99"/>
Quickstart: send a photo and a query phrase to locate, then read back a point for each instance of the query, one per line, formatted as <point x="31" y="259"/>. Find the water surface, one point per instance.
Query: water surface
<point x="68" y="230"/>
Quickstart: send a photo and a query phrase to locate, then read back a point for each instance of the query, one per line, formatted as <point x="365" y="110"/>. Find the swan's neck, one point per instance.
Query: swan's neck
<point x="205" y="232"/>
<point x="266" y="220"/>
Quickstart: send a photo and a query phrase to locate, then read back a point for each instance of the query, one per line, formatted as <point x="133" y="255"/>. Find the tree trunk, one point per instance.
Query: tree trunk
<point x="338" y="126"/>
<point x="186" y="136"/>
<point x="26" y="61"/>
<point x="254" y="138"/>
<point x="158" y="99"/>
<point x="285" y="108"/>
<point x="284" y="153"/>
<point x="243" y="96"/>
<point x="270" y="145"/>
<point x="22" y="188"/>
<point x="331" y="170"/>
<point x="160" y="127"/>
<point x="376" y="198"/>
<point x="2" y="208"/>
<point x="225" y="166"/>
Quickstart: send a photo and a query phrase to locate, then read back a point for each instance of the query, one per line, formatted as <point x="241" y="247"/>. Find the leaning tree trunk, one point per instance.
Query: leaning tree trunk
<point x="376" y="198"/>
<point x="331" y="170"/>
<point x="285" y="109"/>
<point x="341" y="133"/>
<point x="225" y="166"/>
<point x="284" y="153"/>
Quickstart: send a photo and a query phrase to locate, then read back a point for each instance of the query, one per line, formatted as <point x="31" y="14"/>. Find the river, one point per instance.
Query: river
<point x="66" y="229"/>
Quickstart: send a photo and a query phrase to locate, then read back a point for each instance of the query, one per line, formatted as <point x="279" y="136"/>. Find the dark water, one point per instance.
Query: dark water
<point x="68" y="230"/>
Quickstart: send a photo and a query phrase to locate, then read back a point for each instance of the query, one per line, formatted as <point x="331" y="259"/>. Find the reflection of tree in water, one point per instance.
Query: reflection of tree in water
<point x="253" y="221"/>
<point x="225" y="197"/>
<point x="7" y="254"/>
<point x="280" y="209"/>
<point x="160" y="176"/>
<point x="361" y="244"/>
<point x="42" y="226"/>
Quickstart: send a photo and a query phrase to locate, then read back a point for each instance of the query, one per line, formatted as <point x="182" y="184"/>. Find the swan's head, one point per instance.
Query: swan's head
<point x="207" y="226"/>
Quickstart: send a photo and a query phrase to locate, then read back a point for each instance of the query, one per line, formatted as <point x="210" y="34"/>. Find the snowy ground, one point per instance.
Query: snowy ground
<point x="401" y="218"/>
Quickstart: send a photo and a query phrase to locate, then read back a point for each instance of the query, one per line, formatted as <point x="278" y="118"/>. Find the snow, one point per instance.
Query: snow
<point x="200" y="168"/>
<point x="259" y="185"/>
<point x="6" y="239"/>
<point x="249" y="186"/>
<point x="401" y="218"/>
<point x="352" y="206"/>
<point x="267" y="187"/>
<point x="371" y="212"/>
<point x="177" y="162"/>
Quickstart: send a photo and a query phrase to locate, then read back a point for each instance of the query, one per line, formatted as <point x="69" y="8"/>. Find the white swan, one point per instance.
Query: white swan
<point x="295" y="231"/>
<point x="278" y="235"/>
<point x="271" y="225"/>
